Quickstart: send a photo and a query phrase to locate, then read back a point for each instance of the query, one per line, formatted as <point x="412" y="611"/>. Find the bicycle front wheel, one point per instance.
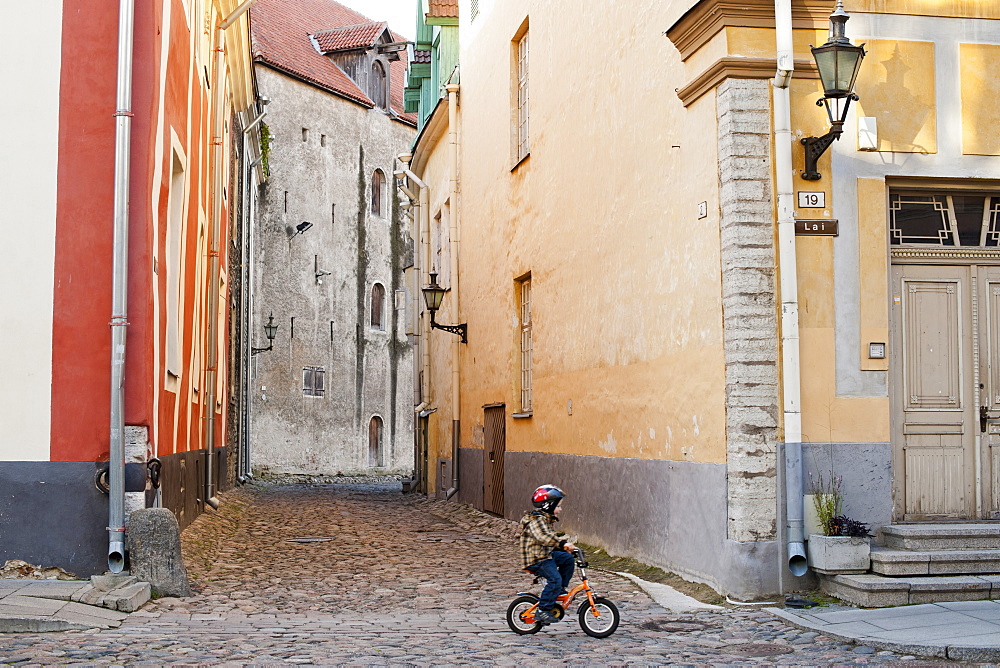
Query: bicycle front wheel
<point x="599" y="626"/>
<point x="516" y="612"/>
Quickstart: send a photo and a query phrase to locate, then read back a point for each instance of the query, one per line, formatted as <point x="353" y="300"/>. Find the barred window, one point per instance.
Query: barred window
<point x="944" y="219"/>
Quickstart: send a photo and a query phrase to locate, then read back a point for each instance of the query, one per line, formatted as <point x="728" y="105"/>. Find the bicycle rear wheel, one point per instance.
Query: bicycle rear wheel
<point x="603" y="626"/>
<point x="515" y="615"/>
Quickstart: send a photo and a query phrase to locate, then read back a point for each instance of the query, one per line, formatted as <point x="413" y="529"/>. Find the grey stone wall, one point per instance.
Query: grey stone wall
<point x="325" y="152"/>
<point x="748" y="303"/>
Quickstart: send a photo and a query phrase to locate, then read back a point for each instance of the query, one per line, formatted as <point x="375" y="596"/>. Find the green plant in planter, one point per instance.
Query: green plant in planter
<point x="827" y="500"/>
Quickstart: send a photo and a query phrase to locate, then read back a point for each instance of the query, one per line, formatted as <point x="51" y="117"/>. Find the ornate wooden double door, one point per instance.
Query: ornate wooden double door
<point x="945" y="379"/>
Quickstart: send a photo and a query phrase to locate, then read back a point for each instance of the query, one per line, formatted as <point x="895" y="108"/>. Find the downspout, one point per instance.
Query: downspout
<point x="456" y="350"/>
<point x="247" y="289"/>
<point x="213" y="277"/>
<point x="419" y="402"/>
<point x="119" y="296"/>
<point x="794" y="535"/>
<point x="213" y="271"/>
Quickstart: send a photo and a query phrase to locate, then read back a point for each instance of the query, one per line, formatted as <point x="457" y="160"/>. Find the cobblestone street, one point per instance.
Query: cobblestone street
<point x="392" y="579"/>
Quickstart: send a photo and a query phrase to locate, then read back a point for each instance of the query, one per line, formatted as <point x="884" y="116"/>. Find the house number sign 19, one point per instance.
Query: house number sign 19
<point x="812" y="200"/>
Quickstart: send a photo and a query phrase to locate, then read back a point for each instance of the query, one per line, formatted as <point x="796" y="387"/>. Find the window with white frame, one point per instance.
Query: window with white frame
<point x="527" y="341"/>
<point x="521" y="109"/>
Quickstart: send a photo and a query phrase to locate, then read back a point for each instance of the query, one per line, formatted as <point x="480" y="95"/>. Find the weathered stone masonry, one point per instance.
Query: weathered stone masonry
<point x="748" y="302"/>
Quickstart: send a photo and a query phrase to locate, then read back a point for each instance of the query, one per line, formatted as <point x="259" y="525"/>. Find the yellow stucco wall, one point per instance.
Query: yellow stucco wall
<point x="980" y="92"/>
<point x="981" y="9"/>
<point x="604" y="214"/>
<point x="896" y="85"/>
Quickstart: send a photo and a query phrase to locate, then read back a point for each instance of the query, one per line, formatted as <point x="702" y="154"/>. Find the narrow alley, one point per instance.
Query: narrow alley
<point x="358" y="573"/>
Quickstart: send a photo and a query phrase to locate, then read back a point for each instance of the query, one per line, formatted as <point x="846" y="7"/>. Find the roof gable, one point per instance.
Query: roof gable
<point x="281" y="33"/>
<point x="345" y="38"/>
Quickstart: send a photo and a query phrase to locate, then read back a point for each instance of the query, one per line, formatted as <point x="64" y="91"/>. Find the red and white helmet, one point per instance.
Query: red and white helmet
<point x="547" y="496"/>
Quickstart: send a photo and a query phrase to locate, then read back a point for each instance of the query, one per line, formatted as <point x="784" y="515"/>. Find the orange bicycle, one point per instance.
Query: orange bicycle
<point x="598" y="616"/>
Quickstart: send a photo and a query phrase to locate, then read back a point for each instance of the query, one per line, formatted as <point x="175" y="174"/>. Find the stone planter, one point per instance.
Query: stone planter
<point x="837" y="555"/>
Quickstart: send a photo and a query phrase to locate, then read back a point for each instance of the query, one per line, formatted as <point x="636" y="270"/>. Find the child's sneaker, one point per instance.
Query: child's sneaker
<point x="545" y="618"/>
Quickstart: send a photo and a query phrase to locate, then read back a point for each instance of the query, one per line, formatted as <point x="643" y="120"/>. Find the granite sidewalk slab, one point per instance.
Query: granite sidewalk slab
<point x="32" y="606"/>
<point x="960" y="630"/>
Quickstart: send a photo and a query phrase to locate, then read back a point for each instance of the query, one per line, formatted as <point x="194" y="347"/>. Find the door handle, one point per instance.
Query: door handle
<point x="984" y="417"/>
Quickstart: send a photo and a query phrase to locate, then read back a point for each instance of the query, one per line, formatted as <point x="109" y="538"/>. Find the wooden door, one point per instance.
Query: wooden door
<point x="494" y="446"/>
<point x="988" y="454"/>
<point x="935" y="430"/>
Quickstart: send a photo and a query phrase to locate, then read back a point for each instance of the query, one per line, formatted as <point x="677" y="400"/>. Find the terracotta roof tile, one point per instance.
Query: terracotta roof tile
<point x="443" y="8"/>
<point x="280" y="37"/>
<point x="349" y="37"/>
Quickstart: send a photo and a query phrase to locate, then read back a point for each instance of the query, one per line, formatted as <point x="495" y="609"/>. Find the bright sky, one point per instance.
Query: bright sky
<point x="401" y="14"/>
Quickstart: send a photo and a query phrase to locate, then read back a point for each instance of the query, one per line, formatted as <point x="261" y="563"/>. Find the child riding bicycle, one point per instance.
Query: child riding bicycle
<point x="544" y="552"/>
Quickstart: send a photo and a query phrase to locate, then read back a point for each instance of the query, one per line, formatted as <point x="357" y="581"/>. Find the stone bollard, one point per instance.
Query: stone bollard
<point x="154" y="547"/>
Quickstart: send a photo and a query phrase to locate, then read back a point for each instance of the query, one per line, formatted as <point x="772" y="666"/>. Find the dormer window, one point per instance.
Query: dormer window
<point x="377" y="92"/>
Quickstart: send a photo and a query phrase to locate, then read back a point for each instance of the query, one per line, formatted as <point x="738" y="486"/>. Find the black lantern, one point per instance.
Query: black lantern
<point x="838" y="62"/>
<point x="270" y="331"/>
<point x="433" y="296"/>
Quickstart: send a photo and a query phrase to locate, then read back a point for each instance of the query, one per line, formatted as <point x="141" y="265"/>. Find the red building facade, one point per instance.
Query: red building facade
<point x="188" y="176"/>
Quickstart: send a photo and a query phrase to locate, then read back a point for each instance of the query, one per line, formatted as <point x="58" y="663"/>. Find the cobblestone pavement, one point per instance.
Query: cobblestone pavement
<point x="401" y="581"/>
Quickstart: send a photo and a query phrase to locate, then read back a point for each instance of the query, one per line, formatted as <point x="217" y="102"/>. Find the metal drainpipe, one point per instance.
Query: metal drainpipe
<point x="213" y="277"/>
<point x="419" y="401"/>
<point x="247" y="289"/>
<point x="119" y="298"/>
<point x="215" y="210"/>
<point x="794" y="534"/>
<point x="456" y="350"/>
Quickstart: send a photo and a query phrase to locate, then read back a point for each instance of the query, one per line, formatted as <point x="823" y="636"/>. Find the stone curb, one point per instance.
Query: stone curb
<point x="38" y="625"/>
<point x="940" y="651"/>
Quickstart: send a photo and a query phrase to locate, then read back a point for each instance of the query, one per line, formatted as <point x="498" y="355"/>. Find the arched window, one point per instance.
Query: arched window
<point x="378" y="85"/>
<point x="378" y="304"/>
<point x="376" y="454"/>
<point x="378" y="179"/>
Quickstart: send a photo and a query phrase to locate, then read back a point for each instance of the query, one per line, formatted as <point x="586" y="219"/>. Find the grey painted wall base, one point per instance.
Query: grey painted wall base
<point x="52" y="514"/>
<point x="866" y="473"/>
<point x="673" y="514"/>
<point x="668" y="514"/>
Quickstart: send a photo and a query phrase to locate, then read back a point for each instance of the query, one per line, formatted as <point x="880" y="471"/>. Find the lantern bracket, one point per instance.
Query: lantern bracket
<point x="459" y="330"/>
<point x="816" y="146"/>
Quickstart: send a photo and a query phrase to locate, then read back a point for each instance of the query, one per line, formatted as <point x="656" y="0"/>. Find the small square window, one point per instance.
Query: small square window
<point x="313" y="381"/>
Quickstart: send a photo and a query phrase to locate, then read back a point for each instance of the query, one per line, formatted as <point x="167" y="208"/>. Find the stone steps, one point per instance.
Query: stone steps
<point x="925" y="563"/>
<point x="879" y="591"/>
<point x="942" y="536"/>
<point x="889" y="561"/>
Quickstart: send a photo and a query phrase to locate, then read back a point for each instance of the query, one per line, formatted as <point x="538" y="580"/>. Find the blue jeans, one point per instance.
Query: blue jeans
<point x="557" y="571"/>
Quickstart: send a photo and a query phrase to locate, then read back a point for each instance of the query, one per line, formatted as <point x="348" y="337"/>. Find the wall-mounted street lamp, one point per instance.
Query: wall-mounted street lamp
<point x="433" y="294"/>
<point x="270" y="331"/>
<point x="838" y="62"/>
<point x="300" y="228"/>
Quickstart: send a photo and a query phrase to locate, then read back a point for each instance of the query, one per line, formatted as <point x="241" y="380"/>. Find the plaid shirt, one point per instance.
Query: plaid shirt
<point x="537" y="537"/>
